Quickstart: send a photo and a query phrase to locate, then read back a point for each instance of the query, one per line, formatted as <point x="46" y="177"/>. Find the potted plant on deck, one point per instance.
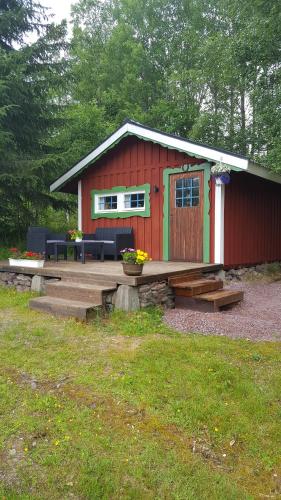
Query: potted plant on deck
<point x="25" y="259"/>
<point x="133" y="261"/>
<point x="75" y="234"/>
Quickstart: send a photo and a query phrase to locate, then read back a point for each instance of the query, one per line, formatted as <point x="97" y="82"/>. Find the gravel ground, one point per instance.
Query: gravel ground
<point x="257" y="317"/>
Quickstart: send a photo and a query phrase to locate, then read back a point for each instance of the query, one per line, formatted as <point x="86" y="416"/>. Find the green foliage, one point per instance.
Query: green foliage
<point x="208" y="70"/>
<point x="31" y="75"/>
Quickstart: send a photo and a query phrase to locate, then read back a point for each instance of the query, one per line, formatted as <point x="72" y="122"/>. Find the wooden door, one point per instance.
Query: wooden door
<point x="186" y="216"/>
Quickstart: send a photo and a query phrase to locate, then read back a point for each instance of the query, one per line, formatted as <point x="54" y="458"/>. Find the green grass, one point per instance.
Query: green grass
<point x="126" y="408"/>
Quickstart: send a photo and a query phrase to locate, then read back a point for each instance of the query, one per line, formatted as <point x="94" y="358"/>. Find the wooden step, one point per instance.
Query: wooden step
<point x="84" y="311"/>
<point x="77" y="291"/>
<point x="197" y="287"/>
<point x="89" y="279"/>
<point x="86" y="277"/>
<point x="220" y="298"/>
<point x="180" y="278"/>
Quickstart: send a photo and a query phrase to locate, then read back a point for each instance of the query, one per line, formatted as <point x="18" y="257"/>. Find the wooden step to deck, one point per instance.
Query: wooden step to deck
<point x="183" y="278"/>
<point x="77" y="291"/>
<point x="196" y="292"/>
<point x="197" y="287"/>
<point x="84" y="311"/>
<point x="221" y="298"/>
<point x="90" y="280"/>
<point x="211" y="301"/>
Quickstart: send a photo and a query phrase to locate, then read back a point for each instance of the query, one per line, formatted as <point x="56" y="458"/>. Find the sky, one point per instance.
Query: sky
<point x="61" y="8"/>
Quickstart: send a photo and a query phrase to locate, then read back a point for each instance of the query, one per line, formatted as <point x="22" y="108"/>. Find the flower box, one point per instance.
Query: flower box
<point x="38" y="264"/>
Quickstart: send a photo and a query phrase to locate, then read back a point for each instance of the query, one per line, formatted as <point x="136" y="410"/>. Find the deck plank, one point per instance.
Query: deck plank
<point x="99" y="271"/>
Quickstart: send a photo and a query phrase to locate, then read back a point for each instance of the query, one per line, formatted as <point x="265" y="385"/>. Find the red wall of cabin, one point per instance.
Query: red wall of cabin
<point x="252" y="220"/>
<point x="133" y="162"/>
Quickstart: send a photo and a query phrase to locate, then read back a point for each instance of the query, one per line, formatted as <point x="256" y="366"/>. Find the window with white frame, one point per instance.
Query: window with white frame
<point x="120" y="202"/>
<point x="107" y="203"/>
<point x="134" y="200"/>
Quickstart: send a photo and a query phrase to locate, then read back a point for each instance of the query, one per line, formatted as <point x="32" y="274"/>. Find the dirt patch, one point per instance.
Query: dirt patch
<point x="257" y="317"/>
<point x="121" y="343"/>
<point x="117" y="414"/>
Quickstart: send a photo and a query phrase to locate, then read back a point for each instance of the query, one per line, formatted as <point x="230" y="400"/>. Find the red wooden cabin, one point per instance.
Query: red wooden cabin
<point x="162" y="186"/>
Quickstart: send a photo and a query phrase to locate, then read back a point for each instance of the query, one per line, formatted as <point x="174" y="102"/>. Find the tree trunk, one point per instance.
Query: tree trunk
<point x="243" y="121"/>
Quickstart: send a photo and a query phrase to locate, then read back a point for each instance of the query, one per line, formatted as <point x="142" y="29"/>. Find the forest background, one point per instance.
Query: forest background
<point x="209" y="70"/>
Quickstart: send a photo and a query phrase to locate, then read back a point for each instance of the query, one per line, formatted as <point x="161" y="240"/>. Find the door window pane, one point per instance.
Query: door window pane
<point x="187" y="192"/>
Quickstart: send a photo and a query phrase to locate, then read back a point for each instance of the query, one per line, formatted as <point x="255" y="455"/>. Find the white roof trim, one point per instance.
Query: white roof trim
<point x="263" y="172"/>
<point x="189" y="147"/>
<point x="180" y="144"/>
<point x="90" y="157"/>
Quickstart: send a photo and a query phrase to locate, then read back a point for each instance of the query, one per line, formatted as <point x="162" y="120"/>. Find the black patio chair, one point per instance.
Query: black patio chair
<point x="36" y="241"/>
<point x="122" y="237"/>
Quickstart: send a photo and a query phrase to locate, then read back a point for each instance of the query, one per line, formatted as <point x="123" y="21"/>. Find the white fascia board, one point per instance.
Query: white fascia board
<point x="171" y="142"/>
<point x="189" y="147"/>
<point x="79" y="211"/>
<point x="263" y="172"/>
<point x="219" y="222"/>
<point x="90" y="157"/>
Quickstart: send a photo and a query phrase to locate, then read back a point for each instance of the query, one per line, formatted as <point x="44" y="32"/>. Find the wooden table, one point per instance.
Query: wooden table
<point x="79" y="245"/>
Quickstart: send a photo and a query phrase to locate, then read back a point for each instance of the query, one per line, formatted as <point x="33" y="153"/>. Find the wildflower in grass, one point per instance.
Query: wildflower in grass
<point x="56" y="443"/>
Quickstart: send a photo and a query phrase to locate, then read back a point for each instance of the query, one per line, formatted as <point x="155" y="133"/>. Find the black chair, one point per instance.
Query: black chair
<point x="36" y="241"/>
<point x="122" y="237"/>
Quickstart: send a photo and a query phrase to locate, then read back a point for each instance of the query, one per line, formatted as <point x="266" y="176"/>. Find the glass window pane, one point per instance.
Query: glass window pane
<point x="107" y="203"/>
<point x="195" y="202"/>
<point x="134" y="200"/>
<point x="186" y="192"/>
<point x="101" y="203"/>
<point x="187" y="182"/>
<point x="127" y="201"/>
<point x="140" y="200"/>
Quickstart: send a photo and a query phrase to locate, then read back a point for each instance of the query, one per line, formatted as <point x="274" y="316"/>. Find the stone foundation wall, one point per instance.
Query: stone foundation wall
<point x="132" y="298"/>
<point x="127" y="297"/>
<point x="21" y="282"/>
<point x="156" y="293"/>
<point x="253" y="272"/>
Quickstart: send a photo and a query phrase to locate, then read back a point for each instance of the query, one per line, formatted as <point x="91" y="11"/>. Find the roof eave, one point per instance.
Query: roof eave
<point x="191" y="148"/>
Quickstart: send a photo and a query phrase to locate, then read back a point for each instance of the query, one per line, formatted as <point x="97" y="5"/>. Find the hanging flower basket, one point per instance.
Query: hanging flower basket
<point x="222" y="178"/>
<point x="221" y="173"/>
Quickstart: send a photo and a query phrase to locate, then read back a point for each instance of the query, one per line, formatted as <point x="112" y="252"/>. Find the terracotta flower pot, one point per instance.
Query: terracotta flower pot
<point x="132" y="269"/>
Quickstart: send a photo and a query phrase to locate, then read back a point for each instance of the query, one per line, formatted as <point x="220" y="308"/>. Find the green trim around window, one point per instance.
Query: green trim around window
<point x="206" y="217"/>
<point x="127" y="213"/>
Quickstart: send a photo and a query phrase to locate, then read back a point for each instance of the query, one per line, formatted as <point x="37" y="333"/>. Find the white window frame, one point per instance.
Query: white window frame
<point x="120" y="202"/>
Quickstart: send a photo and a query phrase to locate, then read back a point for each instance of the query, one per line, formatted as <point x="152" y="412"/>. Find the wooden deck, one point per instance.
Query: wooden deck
<point x="111" y="270"/>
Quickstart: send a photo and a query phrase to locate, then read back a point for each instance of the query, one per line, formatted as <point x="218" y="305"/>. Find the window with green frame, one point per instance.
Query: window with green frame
<point x="121" y="202"/>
